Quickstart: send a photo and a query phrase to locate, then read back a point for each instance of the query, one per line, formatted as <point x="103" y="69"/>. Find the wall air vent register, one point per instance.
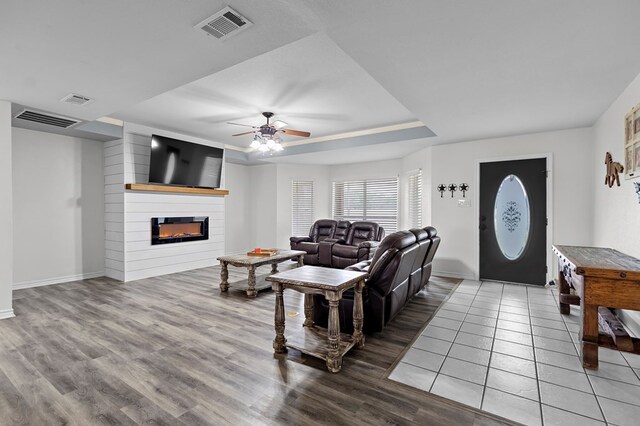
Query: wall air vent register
<point x="48" y="119"/>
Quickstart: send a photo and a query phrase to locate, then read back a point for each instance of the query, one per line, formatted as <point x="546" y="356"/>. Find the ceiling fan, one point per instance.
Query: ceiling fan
<point x="267" y="136"/>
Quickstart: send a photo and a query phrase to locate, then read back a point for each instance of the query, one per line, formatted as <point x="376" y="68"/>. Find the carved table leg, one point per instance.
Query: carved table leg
<point x="274" y="268"/>
<point x="589" y="336"/>
<point x="279" y="342"/>
<point x="224" y="276"/>
<point x="334" y="360"/>
<point x="358" y="316"/>
<point x="308" y="310"/>
<point x="300" y="260"/>
<point x="251" y="291"/>
<point x="563" y="288"/>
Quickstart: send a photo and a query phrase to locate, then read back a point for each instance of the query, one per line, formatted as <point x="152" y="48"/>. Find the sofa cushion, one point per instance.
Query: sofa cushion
<point x="362" y="231"/>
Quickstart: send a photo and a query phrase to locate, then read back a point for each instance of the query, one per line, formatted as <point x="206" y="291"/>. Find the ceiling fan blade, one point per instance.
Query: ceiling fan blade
<point x="296" y="133"/>
<point x="278" y="124"/>
<point x="243" y="133"/>
<point x="239" y="124"/>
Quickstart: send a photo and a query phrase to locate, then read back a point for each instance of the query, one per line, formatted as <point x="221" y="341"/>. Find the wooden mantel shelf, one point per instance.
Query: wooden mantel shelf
<point x="174" y="189"/>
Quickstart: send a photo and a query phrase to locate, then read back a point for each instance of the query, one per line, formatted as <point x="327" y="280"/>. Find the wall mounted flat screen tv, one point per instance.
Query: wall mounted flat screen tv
<point x="176" y="162"/>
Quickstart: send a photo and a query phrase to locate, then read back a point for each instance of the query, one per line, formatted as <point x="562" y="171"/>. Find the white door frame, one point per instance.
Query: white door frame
<point x="549" y="157"/>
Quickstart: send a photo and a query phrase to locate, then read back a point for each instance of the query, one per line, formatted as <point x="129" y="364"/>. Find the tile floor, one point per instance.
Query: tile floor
<point x="506" y="349"/>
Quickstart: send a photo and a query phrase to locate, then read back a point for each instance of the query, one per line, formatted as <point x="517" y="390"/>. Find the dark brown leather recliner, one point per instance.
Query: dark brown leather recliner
<point x="320" y="231"/>
<point x="397" y="267"/>
<point x="360" y="244"/>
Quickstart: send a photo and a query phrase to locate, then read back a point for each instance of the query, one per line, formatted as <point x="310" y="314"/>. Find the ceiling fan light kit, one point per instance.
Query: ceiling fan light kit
<point x="266" y="138"/>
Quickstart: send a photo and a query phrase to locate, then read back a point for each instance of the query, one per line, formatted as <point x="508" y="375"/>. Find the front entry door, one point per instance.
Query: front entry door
<point x="513" y="222"/>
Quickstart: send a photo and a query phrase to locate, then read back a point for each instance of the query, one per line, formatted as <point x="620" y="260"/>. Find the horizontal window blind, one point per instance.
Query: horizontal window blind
<point x="301" y="207"/>
<point x="414" y="188"/>
<point x="374" y="199"/>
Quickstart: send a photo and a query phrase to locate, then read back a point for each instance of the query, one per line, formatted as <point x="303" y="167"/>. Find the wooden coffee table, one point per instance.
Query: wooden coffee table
<point x="330" y="345"/>
<point x="251" y="263"/>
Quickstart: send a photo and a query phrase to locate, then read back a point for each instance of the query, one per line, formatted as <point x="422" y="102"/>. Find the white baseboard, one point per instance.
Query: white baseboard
<point x="58" y="280"/>
<point x="6" y="313"/>
<point x="453" y="275"/>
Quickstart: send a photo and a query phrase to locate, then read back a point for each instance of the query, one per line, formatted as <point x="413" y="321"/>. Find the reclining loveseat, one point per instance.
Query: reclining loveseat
<point x="338" y="244"/>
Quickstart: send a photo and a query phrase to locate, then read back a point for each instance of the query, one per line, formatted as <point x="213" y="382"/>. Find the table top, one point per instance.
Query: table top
<point x="319" y="277"/>
<point x="244" y="259"/>
<point x="596" y="260"/>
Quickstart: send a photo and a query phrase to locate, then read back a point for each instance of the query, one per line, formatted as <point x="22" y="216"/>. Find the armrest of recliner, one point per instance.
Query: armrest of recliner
<point x="369" y="244"/>
<point x="300" y="239"/>
<point x="360" y="267"/>
<point x="367" y="249"/>
<point x="334" y="240"/>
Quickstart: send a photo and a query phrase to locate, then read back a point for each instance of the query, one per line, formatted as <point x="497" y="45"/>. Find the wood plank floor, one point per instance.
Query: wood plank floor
<point x="173" y="350"/>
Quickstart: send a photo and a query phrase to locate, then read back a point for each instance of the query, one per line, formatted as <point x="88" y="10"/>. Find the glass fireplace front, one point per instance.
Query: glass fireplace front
<point x="167" y="230"/>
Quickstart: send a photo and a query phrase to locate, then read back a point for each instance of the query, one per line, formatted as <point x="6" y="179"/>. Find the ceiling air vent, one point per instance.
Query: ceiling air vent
<point x="51" y="120"/>
<point x="74" y="99"/>
<point x="224" y="24"/>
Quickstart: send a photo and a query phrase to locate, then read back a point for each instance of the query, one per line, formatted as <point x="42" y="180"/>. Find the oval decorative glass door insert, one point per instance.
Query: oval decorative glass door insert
<point x="512" y="217"/>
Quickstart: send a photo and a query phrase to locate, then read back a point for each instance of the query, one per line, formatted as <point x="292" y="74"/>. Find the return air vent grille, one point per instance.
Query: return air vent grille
<point x="51" y="120"/>
<point x="224" y="24"/>
<point x="74" y="99"/>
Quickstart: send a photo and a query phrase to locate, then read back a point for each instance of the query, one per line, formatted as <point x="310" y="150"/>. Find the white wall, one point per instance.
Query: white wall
<point x="456" y="163"/>
<point x="57" y="208"/>
<point x="6" y="213"/>
<point x="616" y="210"/>
<point x="238" y="216"/>
<point x="263" y="205"/>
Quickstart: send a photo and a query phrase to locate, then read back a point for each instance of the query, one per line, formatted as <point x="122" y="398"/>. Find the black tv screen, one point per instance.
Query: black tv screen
<point x="176" y="162"/>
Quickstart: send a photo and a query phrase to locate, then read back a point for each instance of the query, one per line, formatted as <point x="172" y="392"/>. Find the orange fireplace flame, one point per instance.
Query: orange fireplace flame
<point x="176" y="230"/>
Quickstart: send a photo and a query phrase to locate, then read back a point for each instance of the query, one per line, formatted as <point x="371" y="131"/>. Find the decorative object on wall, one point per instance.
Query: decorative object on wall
<point x="637" y="186"/>
<point x="442" y="187"/>
<point x="452" y="188"/>
<point x="613" y="170"/>
<point x="632" y="143"/>
<point x="464" y="188"/>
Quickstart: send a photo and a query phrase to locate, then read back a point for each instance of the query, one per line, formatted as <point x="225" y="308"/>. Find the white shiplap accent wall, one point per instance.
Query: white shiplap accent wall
<point x="114" y="209"/>
<point x="144" y="260"/>
<point x="139" y="258"/>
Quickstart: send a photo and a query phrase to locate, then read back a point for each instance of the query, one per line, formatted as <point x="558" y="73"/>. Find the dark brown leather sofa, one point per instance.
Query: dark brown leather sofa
<point x="400" y="268"/>
<point x="338" y="244"/>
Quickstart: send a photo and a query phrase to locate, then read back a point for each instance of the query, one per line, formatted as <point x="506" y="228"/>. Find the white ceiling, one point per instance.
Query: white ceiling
<point x="466" y="69"/>
<point x="311" y="84"/>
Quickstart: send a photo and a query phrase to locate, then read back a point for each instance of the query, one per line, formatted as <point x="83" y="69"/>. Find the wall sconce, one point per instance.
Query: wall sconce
<point x="464" y="188"/>
<point x="452" y="188"/>
<point x="442" y="187"/>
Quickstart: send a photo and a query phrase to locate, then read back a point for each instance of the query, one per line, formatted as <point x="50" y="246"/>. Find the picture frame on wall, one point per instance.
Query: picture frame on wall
<point x="628" y="159"/>
<point x="632" y="143"/>
<point x="628" y="128"/>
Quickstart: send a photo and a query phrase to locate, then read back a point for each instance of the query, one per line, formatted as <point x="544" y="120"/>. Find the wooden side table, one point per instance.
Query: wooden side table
<point x="600" y="277"/>
<point x="330" y="345"/>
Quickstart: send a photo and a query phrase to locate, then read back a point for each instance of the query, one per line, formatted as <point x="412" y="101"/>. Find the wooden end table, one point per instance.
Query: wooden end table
<point x="601" y="277"/>
<point x="330" y="345"/>
<point x="251" y="263"/>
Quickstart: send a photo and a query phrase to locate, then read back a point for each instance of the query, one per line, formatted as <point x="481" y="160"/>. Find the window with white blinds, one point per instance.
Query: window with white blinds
<point x="374" y="199"/>
<point x="414" y="188"/>
<point x="301" y="207"/>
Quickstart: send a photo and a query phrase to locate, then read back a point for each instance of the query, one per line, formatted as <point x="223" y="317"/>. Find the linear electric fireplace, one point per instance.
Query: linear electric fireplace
<point x="167" y="230"/>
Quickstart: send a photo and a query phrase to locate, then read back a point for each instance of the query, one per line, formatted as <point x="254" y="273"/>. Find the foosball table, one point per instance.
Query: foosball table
<point x="598" y="279"/>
